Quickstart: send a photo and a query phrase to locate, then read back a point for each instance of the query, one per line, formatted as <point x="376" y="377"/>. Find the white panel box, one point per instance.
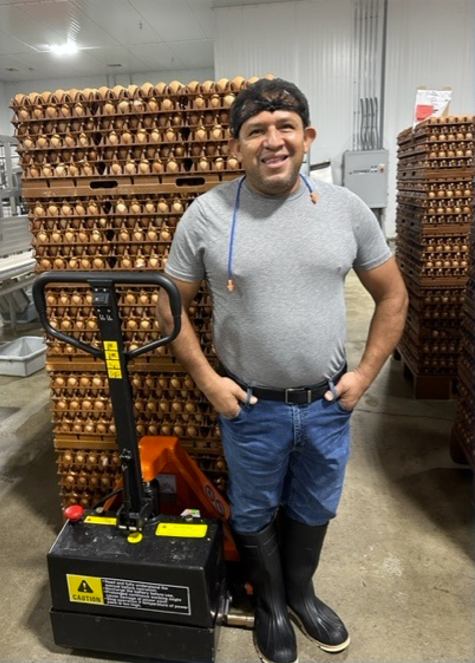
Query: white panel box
<point x="365" y="173"/>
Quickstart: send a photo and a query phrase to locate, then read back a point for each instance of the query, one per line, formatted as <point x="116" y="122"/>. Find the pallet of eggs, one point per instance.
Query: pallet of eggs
<point x="107" y="175"/>
<point x="433" y="222"/>
<point x="463" y="432"/>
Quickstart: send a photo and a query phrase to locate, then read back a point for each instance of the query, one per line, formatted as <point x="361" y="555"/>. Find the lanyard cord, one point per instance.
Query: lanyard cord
<point x="230" y="284"/>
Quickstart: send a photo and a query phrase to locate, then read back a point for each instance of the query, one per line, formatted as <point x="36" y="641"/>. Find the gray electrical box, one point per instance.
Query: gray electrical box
<point x="365" y="173"/>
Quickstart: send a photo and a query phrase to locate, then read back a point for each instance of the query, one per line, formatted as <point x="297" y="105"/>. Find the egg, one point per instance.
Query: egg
<point x="175" y="87"/>
<point x="207" y="87"/>
<point x="228" y="99"/>
<point x="237" y="83"/>
<point x="222" y="84"/>
<point x="193" y="86"/>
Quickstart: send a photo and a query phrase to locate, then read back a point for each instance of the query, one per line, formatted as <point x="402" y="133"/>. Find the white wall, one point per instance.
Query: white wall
<point x="309" y="43"/>
<point x="5" y="113"/>
<point x="429" y="42"/>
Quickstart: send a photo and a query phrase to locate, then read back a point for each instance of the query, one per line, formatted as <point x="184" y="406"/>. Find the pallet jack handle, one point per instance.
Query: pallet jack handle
<point x="100" y="280"/>
<point x="138" y="502"/>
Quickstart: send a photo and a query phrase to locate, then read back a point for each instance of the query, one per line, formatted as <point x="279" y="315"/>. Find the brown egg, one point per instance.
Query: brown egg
<point x="232" y="163"/>
<point x="167" y="104"/>
<point x="147" y="88"/>
<point x="157" y="166"/>
<point x="222" y="84"/>
<point x="199" y="102"/>
<point x="193" y="86"/>
<point x="161" y="88"/>
<point x="155" y="136"/>
<point x="228" y="100"/>
<point x="215" y="101"/>
<point x="207" y="87"/>
<point x="175" y="87"/>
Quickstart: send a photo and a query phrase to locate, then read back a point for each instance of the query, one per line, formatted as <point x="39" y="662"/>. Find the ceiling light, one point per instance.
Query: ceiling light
<point x="69" y="48"/>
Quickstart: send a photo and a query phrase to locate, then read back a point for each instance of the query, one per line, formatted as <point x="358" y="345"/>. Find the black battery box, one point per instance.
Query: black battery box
<point x="157" y="593"/>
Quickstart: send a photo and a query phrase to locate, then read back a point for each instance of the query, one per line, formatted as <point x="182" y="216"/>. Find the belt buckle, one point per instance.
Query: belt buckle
<point x="293" y="390"/>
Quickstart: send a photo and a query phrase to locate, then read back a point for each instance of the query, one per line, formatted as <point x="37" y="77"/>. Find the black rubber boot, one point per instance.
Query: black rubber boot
<point x="301" y="546"/>
<point x="274" y="635"/>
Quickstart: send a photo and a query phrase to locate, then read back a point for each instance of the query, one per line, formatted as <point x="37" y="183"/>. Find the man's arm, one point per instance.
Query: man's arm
<point x="386" y="286"/>
<point x="223" y="393"/>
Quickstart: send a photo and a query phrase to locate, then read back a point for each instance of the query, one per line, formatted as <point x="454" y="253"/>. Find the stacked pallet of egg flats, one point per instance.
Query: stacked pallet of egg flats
<point x="434" y="219"/>
<point x="107" y="175"/>
<point x="462" y="444"/>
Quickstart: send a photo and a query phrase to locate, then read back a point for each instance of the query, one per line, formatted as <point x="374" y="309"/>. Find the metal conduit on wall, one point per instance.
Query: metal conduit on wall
<point x="369" y="77"/>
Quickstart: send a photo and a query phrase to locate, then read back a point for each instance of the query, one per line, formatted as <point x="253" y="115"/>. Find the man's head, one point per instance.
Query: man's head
<point x="267" y="95"/>
<point x="271" y="131"/>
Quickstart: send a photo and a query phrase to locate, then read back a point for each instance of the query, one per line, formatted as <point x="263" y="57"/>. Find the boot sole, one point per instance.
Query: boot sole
<point x="264" y="658"/>
<point x="332" y="649"/>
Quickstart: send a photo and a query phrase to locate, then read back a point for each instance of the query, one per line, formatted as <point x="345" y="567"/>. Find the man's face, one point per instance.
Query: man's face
<point x="271" y="148"/>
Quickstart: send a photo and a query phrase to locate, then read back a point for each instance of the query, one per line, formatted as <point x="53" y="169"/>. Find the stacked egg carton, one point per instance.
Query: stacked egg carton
<point x="434" y="218"/>
<point x="107" y="175"/>
<point x="462" y="444"/>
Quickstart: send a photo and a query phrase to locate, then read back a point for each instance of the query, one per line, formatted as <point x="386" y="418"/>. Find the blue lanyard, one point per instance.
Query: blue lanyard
<point x="230" y="284"/>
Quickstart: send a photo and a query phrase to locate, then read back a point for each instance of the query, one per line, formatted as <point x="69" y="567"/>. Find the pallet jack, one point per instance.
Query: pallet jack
<point x="129" y="577"/>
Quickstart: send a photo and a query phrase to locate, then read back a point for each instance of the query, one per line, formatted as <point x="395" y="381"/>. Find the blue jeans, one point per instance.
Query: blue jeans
<point x="293" y="456"/>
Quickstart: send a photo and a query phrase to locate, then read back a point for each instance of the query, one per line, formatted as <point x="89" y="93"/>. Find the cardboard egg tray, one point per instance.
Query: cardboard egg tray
<point x="447" y="128"/>
<point x="446" y="327"/>
<point x="88" y="475"/>
<point x="161" y="410"/>
<point x="69" y="310"/>
<point x="443" y="218"/>
<point x="425" y="358"/>
<point x="438" y="300"/>
<point x="437" y="148"/>
<point x="125" y="131"/>
<point x="107" y="232"/>
<point x="463" y="436"/>
<point x="427" y="270"/>
<point x="165" y="403"/>
<point x="433" y="196"/>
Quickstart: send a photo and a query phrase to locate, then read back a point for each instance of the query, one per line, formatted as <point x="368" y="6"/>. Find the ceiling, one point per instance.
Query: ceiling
<point x="114" y="36"/>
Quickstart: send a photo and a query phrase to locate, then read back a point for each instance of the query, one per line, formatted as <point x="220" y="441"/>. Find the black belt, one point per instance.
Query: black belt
<point x="292" y="396"/>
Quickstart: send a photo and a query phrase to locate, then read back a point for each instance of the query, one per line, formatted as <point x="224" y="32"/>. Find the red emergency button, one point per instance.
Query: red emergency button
<point x="74" y="512"/>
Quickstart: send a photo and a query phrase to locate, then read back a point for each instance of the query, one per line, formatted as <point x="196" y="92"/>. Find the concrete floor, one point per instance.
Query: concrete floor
<point x="398" y="560"/>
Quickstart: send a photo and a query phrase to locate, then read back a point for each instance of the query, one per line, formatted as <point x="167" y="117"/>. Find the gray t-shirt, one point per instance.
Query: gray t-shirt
<point x="284" y="324"/>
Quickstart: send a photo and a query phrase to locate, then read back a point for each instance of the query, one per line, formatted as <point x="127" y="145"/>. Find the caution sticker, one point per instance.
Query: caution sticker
<point x="85" y="589"/>
<point x="193" y="530"/>
<point x="111" y="354"/>
<point x="129" y="594"/>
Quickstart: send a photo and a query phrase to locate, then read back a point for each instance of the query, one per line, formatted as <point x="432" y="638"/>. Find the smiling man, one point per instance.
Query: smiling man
<point x="274" y="250"/>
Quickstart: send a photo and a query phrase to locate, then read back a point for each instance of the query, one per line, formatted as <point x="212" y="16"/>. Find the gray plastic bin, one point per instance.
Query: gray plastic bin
<point x="23" y="356"/>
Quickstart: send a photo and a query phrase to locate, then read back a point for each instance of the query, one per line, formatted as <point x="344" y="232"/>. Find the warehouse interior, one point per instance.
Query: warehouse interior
<point x="398" y="562"/>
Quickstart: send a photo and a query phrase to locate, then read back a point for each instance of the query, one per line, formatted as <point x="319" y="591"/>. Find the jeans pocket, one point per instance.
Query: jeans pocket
<point x="236" y="417"/>
<point x="342" y="408"/>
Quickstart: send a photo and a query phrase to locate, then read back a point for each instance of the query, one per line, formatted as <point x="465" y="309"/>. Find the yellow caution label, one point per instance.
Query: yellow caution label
<point x="195" y="531"/>
<point x="85" y="589"/>
<point x="111" y="353"/>
<point x="100" y="520"/>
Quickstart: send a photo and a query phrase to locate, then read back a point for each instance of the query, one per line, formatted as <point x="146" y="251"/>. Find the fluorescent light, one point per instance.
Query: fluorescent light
<point x="69" y="48"/>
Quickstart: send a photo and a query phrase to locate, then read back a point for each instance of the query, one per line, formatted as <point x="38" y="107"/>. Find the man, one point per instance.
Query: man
<point x="274" y="250"/>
